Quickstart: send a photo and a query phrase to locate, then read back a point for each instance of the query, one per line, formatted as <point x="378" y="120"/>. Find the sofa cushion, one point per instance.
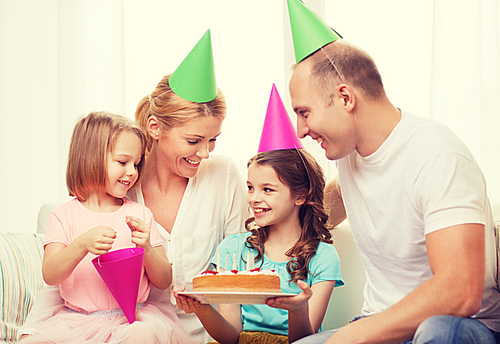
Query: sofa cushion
<point x="21" y="279"/>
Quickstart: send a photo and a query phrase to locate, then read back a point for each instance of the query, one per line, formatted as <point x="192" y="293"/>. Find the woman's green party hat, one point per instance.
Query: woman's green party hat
<point x="194" y="79"/>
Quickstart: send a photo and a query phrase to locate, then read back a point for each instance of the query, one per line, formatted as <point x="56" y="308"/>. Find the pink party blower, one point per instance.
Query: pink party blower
<point x="121" y="271"/>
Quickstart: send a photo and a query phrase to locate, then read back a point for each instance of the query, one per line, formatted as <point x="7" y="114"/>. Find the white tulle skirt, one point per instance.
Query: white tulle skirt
<point x="155" y="323"/>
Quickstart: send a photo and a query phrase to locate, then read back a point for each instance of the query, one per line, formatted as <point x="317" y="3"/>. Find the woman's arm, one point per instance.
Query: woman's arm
<point x="156" y="264"/>
<point x="334" y="205"/>
<point x="224" y="326"/>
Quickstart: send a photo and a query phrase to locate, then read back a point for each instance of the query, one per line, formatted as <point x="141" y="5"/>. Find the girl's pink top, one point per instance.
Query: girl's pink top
<point x="84" y="289"/>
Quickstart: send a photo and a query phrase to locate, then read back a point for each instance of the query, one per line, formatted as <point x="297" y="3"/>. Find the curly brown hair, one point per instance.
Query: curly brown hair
<point x="297" y="169"/>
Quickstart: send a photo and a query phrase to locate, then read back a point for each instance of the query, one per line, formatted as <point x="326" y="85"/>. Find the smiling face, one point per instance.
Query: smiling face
<point x="182" y="148"/>
<point x="121" y="164"/>
<point x="270" y="200"/>
<point x="332" y="126"/>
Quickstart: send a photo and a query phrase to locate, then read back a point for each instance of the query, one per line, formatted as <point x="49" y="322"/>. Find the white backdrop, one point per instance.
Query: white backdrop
<point x="62" y="59"/>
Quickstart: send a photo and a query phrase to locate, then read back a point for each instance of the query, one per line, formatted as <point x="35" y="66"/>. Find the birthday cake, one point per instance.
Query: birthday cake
<point x="255" y="280"/>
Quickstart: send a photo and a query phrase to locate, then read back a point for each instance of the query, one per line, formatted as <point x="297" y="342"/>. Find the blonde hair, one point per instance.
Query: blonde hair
<point x="172" y="110"/>
<point x="94" y="136"/>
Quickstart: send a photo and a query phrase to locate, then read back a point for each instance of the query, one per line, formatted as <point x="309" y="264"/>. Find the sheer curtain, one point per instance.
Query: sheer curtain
<point x="465" y="79"/>
<point x="60" y="60"/>
<point x="438" y="59"/>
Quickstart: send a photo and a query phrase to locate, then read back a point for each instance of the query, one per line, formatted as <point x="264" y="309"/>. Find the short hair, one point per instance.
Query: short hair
<point x="355" y="66"/>
<point x="94" y="136"/>
<point x="298" y="170"/>
<point x="173" y="111"/>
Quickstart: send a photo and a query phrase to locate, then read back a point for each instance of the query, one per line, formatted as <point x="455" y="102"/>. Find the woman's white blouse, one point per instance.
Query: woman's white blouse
<point x="212" y="208"/>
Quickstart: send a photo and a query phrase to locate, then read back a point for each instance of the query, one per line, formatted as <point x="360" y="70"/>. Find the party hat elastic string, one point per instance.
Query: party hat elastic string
<point x="305" y="166"/>
<point x="333" y="64"/>
<point x="342" y="79"/>
<point x="151" y="100"/>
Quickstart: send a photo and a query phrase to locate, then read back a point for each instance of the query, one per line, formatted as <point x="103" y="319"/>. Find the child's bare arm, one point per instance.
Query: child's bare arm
<point x="59" y="260"/>
<point x="306" y="310"/>
<point x="156" y="264"/>
<point x="318" y="303"/>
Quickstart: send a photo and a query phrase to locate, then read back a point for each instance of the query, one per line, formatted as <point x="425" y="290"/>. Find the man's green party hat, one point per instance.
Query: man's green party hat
<point x="309" y="31"/>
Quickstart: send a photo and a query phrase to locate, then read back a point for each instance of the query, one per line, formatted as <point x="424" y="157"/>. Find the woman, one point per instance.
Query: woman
<point x="196" y="201"/>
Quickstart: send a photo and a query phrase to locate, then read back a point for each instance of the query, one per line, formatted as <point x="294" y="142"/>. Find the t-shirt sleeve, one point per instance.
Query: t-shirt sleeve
<point x="55" y="231"/>
<point x="450" y="190"/>
<point x="325" y="265"/>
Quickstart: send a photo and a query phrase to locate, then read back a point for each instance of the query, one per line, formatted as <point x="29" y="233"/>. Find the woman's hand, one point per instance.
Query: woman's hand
<point x="140" y="232"/>
<point x="298" y="303"/>
<point x="186" y="303"/>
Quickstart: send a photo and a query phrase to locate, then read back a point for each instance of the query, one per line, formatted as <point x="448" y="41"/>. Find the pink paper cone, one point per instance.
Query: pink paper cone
<point x="278" y="132"/>
<point x="121" y="271"/>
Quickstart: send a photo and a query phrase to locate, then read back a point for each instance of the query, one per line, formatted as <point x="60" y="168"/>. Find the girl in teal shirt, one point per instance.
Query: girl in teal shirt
<point x="288" y="234"/>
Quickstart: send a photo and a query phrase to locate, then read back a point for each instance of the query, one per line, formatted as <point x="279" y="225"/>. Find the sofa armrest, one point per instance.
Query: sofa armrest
<point x="21" y="276"/>
<point x="43" y="217"/>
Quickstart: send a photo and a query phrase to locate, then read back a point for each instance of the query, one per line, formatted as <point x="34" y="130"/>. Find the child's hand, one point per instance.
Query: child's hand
<point x="98" y="240"/>
<point x="296" y="303"/>
<point x="140" y="232"/>
<point x="186" y="303"/>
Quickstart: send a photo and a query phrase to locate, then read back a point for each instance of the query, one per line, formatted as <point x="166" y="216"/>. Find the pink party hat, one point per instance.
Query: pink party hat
<point x="278" y="132"/>
<point x="121" y="270"/>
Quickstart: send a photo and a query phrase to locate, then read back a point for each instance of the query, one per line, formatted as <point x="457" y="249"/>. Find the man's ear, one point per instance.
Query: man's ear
<point x="153" y="127"/>
<point x="347" y="97"/>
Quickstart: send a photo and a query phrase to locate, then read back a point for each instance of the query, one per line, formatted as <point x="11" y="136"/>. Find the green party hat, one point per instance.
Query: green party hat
<point x="194" y="79"/>
<point x="309" y="31"/>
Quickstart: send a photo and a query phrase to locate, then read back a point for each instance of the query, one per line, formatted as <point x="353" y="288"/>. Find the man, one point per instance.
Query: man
<point x="414" y="195"/>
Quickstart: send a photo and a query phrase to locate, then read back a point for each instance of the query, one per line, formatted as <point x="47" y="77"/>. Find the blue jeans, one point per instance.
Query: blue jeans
<point x="440" y="329"/>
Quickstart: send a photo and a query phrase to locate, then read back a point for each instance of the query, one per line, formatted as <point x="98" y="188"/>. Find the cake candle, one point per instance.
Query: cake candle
<point x="227" y="260"/>
<point x="218" y="261"/>
<point x="248" y="261"/>
<point x="234" y="260"/>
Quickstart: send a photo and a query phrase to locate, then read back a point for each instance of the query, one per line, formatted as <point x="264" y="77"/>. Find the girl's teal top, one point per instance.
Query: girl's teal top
<point x="324" y="266"/>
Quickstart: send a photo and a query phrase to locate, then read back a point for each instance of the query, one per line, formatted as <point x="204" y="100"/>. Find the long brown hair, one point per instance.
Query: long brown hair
<point x="297" y="169"/>
<point x="172" y="110"/>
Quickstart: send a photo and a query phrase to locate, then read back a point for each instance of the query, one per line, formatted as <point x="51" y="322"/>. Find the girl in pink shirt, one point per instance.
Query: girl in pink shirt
<point x="105" y="161"/>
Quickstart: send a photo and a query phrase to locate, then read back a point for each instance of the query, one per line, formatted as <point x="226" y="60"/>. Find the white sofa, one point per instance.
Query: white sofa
<point x="21" y="280"/>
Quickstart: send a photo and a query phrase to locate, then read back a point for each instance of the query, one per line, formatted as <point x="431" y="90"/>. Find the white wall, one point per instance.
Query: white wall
<point x="62" y="59"/>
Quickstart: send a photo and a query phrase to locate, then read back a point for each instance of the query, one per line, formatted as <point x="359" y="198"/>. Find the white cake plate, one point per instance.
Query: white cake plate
<point x="242" y="298"/>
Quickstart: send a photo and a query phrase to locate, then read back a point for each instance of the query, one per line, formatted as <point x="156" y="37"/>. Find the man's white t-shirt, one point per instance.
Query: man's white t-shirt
<point x="421" y="179"/>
